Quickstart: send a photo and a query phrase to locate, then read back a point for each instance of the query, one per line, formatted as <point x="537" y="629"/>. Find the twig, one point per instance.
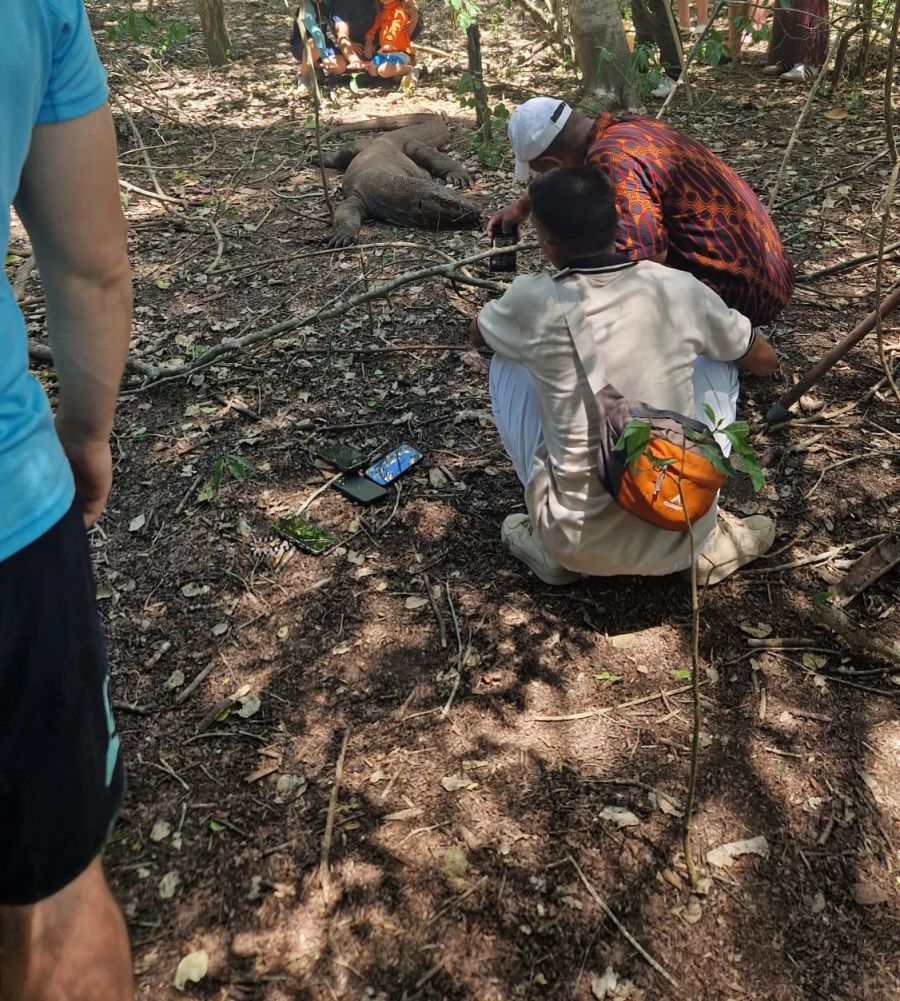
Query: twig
<point x="462" y="656"/>
<point x="185" y="693"/>
<point x="442" y="626"/>
<point x="601" y="903"/>
<point x="324" y="870"/>
<point x="157" y="655"/>
<point x="317" y="493"/>
<point x="854" y="262"/>
<point x="844" y="462"/>
<point x="131" y="707"/>
<point x="831" y="184"/>
<point x="782" y="643"/>
<point x="640" y="785"/>
<point x="888" y="197"/>
<point x="695" y="696"/>
<point x="603" y="710"/>
<point x="128" y="186"/>
<point x="151" y="172"/>
<point x="818" y="558"/>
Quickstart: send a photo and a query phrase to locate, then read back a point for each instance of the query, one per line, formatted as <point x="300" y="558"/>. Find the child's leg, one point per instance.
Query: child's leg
<point x="702" y="13"/>
<point x="389" y="70"/>
<point x="684" y="14"/>
<point x="515" y="406"/>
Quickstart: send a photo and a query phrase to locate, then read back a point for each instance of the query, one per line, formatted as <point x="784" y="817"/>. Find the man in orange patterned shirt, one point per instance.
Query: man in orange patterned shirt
<point x="679" y="204"/>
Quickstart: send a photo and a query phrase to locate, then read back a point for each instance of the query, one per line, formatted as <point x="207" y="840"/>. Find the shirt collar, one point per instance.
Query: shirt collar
<point x="597" y="264"/>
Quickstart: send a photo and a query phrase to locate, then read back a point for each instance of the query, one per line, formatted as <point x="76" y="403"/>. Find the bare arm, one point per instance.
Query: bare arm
<point x="475" y="336"/>
<point x="412" y="8"/>
<point x="761" y="359"/>
<point x="69" y="202"/>
<point x="508" y="219"/>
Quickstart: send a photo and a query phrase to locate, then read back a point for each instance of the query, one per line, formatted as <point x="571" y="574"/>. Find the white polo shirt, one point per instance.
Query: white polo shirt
<point x="650" y="323"/>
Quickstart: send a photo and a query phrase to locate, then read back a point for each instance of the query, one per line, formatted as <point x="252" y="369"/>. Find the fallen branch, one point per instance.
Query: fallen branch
<point x="601" y="903"/>
<point x="860" y="640"/>
<point x="231" y="345"/>
<point x="854" y="262"/>
<point x="687" y="60"/>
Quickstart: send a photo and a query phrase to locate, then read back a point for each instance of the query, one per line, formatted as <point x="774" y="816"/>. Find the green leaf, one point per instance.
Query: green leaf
<point x="354" y="85"/>
<point x="606" y="676"/>
<point x="710" y="413"/>
<point x="206" y="492"/>
<point x="713" y="454"/>
<point x="683" y="675"/>
<point x="214" y="825"/>
<point x="821" y="597"/>
<point x="239" y="468"/>
<point x="218" y="472"/>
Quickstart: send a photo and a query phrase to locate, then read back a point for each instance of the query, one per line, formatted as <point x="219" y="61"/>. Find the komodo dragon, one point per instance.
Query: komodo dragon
<point x="389" y="178"/>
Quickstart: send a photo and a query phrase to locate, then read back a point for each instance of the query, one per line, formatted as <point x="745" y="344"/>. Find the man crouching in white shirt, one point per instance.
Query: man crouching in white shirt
<point x="662" y="337"/>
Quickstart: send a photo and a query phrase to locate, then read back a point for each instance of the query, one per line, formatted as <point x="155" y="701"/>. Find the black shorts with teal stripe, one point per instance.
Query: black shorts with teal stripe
<point x="61" y="777"/>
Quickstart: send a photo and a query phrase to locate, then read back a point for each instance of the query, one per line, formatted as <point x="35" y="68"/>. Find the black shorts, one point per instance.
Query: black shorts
<point x="61" y="778"/>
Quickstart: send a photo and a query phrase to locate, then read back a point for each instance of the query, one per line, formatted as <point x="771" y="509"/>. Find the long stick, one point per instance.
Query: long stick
<point x="230" y="345"/>
<point x="691" y="55"/>
<point x="324" y="871"/>
<point x="888" y="196"/>
<point x="780" y="410"/>
<point x="601" y="903"/>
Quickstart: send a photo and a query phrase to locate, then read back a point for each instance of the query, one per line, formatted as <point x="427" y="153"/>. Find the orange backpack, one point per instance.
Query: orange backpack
<point x="647" y="460"/>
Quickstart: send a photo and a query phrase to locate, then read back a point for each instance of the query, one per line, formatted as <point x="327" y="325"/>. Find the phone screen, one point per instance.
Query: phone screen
<point x="303" y="533"/>
<point x="393" y="465"/>
<point x="343" y="457"/>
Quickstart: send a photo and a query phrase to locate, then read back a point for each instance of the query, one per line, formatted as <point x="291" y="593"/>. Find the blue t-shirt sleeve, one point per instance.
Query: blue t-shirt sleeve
<point x="77" y="83"/>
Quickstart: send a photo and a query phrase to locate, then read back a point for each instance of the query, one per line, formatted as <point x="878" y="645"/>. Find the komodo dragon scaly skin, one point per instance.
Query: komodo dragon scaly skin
<point x="389" y="178"/>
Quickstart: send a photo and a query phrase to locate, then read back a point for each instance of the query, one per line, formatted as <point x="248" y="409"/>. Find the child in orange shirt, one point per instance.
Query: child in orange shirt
<point x="395" y="52"/>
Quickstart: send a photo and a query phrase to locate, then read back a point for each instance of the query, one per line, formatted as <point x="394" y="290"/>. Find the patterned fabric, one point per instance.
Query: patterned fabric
<point x="799" y="34"/>
<point x="677" y="197"/>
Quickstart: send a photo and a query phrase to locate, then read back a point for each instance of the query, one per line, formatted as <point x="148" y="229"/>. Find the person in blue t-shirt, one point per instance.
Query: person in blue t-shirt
<point x="61" y="777"/>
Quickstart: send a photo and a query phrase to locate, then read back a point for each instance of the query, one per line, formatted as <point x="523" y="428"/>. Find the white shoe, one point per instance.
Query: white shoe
<point x="773" y="69"/>
<point x="302" y="87"/>
<point x="666" y="86"/>
<point x="797" y="74"/>
<point x="734" y="543"/>
<point x="698" y="29"/>
<point x="517" y="536"/>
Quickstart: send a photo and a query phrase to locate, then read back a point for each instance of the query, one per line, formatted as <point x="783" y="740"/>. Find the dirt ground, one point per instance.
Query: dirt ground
<point x="410" y="803"/>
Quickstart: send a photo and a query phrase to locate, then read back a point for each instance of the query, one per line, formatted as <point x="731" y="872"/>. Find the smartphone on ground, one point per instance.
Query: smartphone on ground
<point x="304" y="534"/>
<point x="393" y="465"/>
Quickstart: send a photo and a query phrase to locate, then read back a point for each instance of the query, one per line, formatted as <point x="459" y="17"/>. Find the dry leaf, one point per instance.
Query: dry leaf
<point x="415" y="601"/>
<point x="355" y="558"/>
<point x="249" y="706"/>
<point x="623" y="640"/>
<point x="602" y="987"/>
<point x="693" y="912"/>
<point x="282" y="632"/>
<point x="837" y="113"/>
<point x="289" y="787"/>
<point x="193" y="590"/>
<point x="868" y="894"/>
<point x="436" y="478"/>
<point x="724" y="855"/>
<point x="169" y="884"/>
<point x="817" y="903"/>
<point x="619" y="816"/>
<point x="175" y="680"/>
<point x="161" y="830"/>
<point x="453" y="783"/>
<point x="136" y="524"/>
<point x="220" y="628"/>
<point x="455" y="866"/>
<point x="104" y="592"/>
<point x="758" y="630"/>
<point x="814" y="661"/>
<point x="192" y="968"/>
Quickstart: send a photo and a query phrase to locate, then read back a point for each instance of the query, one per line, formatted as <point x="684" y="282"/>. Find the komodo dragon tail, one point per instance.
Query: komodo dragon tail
<point x="390" y="122"/>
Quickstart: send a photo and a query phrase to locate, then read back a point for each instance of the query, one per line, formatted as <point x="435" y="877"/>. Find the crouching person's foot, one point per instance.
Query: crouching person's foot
<point x="734" y="543"/>
<point x="519" y="540"/>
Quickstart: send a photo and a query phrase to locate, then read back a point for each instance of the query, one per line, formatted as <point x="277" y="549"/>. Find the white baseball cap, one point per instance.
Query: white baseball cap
<point x="532" y="128"/>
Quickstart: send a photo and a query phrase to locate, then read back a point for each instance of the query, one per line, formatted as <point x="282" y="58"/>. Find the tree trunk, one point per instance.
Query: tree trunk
<point x="482" y="111"/>
<point x="215" y="31"/>
<point x="602" y="53"/>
